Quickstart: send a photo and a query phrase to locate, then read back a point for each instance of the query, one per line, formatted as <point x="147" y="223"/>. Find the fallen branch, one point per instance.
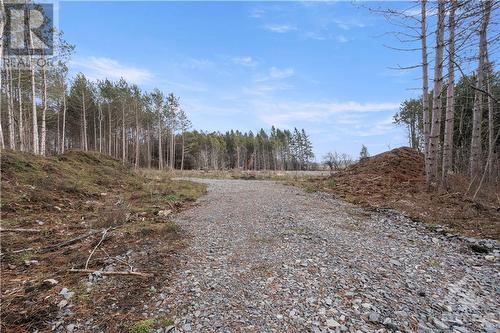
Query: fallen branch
<point x="105" y="231"/>
<point x="19" y="230"/>
<point x="22" y="250"/>
<point x="68" y="242"/>
<point x="91" y="271"/>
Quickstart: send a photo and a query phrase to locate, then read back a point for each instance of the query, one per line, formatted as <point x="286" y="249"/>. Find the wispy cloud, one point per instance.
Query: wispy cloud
<point x="102" y="67"/>
<point x="341" y="39"/>
<point x="262" y="89"/>
<point x="193" y="63"/>
<point x="315" y="36"/>
<point x="349" y="24"/>
<point x="275" y="73"/>
<point x="245" y="61"/>
<point x="280" y="28"/>
<point x="256" y="13"/>
<point x="380" y="127"/>
<point x="294" y="112"/>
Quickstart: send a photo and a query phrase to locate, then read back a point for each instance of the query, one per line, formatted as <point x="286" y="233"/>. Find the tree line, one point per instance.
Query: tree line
<point x="454" y="123"/>
<point x="48" y="113"/>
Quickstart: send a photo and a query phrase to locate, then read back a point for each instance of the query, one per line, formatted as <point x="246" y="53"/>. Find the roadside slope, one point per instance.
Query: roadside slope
<point x="55" y="211"/>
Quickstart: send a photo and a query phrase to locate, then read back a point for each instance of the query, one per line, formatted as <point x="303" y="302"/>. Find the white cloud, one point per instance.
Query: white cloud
<point x="276" y="74"/>
<point x="380" y="127"/>
<point x="349" y="24"/>
<point x="314" y="35"/>
<point x="280" y="28"/>
<point x="341" y="39"/>
<point x="257" y="13"/>
<point x="245" y="61"/>
<point x="102" y="67"/>
<point x="193" y="63"/>
<point x="266" y="88"/>
<point x="280" y="113"/>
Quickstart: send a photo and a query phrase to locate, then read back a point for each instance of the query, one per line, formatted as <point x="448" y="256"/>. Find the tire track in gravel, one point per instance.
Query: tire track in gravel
<point x="266" y="257"/>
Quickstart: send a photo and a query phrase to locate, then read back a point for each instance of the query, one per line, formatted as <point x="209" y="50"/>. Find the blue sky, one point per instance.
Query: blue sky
<point x="246" y="65"/>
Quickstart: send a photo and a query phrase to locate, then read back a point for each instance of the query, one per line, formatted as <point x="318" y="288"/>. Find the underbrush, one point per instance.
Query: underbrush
<point x="56" y="211"/>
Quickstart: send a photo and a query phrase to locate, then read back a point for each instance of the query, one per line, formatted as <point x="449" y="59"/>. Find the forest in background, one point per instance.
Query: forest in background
<point x="48" y="113"/>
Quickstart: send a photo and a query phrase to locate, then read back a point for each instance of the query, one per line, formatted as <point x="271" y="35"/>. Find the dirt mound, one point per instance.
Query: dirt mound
<point x="395" y="179"/>
<point x="401" y="164"/>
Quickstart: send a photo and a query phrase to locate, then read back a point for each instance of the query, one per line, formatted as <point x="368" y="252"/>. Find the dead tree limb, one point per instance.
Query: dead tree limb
<point x="90" y="271"/>
<point x="19" y="230"/>
<point x="105" y="231"/>
<point x="68" y="242"/>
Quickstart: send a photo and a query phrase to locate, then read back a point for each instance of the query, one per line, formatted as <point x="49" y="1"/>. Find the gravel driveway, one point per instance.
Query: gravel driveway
<point x="267" y="257"/>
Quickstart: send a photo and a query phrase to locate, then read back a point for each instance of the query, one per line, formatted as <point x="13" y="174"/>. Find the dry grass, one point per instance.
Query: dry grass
<point x="68" y="196"/>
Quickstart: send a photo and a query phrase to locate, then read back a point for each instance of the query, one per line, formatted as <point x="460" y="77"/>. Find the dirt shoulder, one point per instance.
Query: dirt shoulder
<point x="56" y="211"/>
<point x="395" y="180"/>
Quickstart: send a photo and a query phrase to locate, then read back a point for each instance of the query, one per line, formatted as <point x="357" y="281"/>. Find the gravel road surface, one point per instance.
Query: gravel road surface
<point x="266" y="257"/>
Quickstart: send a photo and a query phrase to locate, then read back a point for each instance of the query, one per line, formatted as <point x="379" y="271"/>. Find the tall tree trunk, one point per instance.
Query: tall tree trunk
<point x="160" y="153"/>
<point x="63" y="137"/>
<point x="57" y="144"/>
<point x="20" y="120"/>
<point x="123" y="134"/>
<point x="425" y="86"/>
<point x="491" y="120"/>
<point x="110" y="139"/>
<point x="182" y="152"/>
<point x="437" y="97"/>
<point x="99" y="108"/>
<point x="136" y="138"/>
<point x="475" y="155"/>
<point x="35" y="146"/>
<point x="2" y="24"/>
<point x="172" y="149"/>
<point x="149" y="146"/>
<point x="44" y="113"/>
<point x="450" y="98"/>
<point x="84" y="134"/>
<point x="10" y="108"/>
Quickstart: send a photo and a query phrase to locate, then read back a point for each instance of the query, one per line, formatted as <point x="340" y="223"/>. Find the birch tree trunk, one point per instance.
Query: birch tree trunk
<point x="160" y="157"/>
<point x="63" y="138"/>
<point x="172" y="149"/>
<point x="425" y="87"/>
<point x="84" y="134"/>
<point x="450" y="98"/>
<point x="10" y="108"/>
<point x="149" y="145"/>
<point x="95" y="130"/>
<point x="44" y="113"/>
<point x="35" y="146"/>
<point x="20" y="120"/>
<point x="110" y="139"/>
<point x="57" y="144"/>
<point x="123" y="133"/>
<point x="182" y="153"/>
<point x="475" y="155"/>
<point x="2" y="24"/>
<point x="99" y="108"/>
<point x="136" y="139"/>
<point x="491" y="120"/>
<point x="437" y="97"/>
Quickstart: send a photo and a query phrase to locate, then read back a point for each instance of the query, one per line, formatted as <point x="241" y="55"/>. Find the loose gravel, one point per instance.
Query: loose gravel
<point x="266" y="257"/>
